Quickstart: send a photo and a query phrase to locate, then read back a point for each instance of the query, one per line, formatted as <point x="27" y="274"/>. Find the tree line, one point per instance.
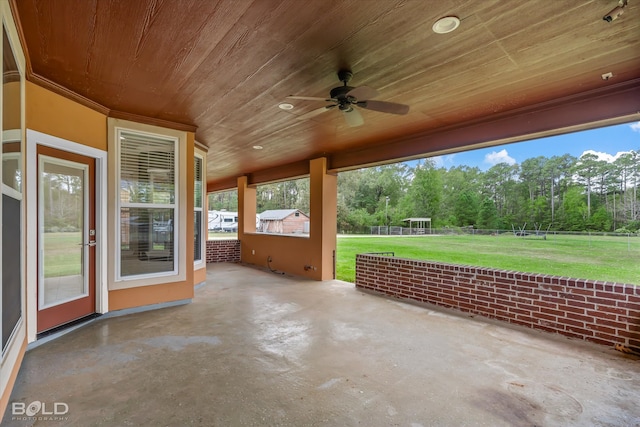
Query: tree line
<point x="564" y="193"/>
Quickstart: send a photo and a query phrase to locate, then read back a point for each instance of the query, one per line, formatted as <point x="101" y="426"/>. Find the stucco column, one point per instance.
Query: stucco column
<point x="246" y="207"/>
<point x="323" y="222"/>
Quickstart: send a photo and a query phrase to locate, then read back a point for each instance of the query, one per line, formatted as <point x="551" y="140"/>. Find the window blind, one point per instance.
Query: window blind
<point x="147" y="169"/>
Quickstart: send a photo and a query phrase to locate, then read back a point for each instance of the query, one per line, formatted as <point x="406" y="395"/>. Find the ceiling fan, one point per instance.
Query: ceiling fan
<point x="346" y="98"/>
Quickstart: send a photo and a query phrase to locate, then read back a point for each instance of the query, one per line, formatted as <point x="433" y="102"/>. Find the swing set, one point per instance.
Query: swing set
<point x="522" y="231"/>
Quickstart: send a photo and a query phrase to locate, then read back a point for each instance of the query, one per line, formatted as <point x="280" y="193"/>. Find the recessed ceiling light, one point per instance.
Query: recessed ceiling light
<point x="258" y="147"/>
<point x="285" y="106"/>
<point x="446" y="24"/>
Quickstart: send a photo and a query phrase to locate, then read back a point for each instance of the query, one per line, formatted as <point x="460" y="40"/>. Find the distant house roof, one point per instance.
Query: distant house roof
<point x="278" y="214"/>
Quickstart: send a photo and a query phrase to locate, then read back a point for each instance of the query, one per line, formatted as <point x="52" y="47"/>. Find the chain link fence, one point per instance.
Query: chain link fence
<point x="406" y="231"/>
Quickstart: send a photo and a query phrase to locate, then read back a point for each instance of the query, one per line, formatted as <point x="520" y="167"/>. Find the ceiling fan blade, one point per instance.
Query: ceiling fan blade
<point x="384" y="107"/>
<point x="315" y="112"/>
<point x="363" y="93"/>
<point x="353" y="117"/>
<point x="309" y="98"/>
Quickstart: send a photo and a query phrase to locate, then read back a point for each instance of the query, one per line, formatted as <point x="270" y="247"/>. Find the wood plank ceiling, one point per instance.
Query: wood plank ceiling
<point x="224" y="66"/>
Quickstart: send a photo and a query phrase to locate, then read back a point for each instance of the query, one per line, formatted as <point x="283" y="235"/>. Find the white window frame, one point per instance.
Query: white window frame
<point x="115" y="280"/>
<point x="204" y="221"/>
<point x="13" y="351"/>
<point x="133" y="205"/>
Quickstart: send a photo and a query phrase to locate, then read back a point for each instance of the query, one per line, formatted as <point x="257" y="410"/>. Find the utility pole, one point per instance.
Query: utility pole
<point x="386" y="213"/>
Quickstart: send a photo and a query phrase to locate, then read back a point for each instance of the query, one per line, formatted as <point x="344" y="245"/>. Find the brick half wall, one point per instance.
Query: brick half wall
<point x="223" y="250"/>
<point x="600" y="312"/>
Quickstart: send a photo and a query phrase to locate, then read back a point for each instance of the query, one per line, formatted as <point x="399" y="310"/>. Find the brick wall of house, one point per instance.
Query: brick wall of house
<point x="223" y="250"/>
<point x="601" y="312"/>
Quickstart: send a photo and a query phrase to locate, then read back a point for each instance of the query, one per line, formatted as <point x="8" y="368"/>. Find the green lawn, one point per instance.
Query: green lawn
<point x="62" y="254"/>
<point x="613" y="259"/>
<point x="214" y="235"/>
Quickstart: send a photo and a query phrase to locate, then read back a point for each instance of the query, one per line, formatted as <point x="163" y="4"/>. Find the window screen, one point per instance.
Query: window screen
<point x="11" y="280"/>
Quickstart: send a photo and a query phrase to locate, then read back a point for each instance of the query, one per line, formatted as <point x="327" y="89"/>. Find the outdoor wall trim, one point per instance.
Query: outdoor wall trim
<point x="86" y="102"/>
<point x="285" y="235"/>
<point x="223" y="185"/>
<point x="600" y="312"/>
<point x="143" y="308"/>
<point x="63" y="91"/>
<point x="152" y="121"/>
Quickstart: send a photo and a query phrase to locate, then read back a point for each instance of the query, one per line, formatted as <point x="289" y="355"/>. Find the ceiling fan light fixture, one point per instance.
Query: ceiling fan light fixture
<point x="346" y="98"/>
<point x="446" y="25"/>
<point x="285" y="106"/>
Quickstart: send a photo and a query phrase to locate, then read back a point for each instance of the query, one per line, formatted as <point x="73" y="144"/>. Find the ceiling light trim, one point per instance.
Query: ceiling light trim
<point x="446" y="24"/>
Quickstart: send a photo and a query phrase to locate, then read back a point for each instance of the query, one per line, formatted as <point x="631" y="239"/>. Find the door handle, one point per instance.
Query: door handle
<point x="88" y="244"/>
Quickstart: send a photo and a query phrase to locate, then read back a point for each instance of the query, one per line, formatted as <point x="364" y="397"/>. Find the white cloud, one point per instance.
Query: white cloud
<point x="501" y="156"/>
<point x="609" y="158"/>
<point x="635" y="126"/>
<point x="443" y="161"/>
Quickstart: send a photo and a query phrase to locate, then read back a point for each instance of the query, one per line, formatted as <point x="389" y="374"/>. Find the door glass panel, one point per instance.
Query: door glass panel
<point x="63" y="223"/>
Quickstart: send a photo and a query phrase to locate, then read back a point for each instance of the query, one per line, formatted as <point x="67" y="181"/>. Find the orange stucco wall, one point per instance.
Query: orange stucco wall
<point x="291" y="254"/>
<point x="11" y="105"/>
<point x="199" y="276"/>
<point x="288" y="253"/>
<point x="147" y="295"/>
<point x="56" y="115"/>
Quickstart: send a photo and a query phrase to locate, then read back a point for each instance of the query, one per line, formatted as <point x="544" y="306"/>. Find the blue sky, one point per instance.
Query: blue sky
<point x="606" y="142"/>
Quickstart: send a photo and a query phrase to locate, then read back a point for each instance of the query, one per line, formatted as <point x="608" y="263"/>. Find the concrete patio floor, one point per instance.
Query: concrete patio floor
<point x="255" y="348"/>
